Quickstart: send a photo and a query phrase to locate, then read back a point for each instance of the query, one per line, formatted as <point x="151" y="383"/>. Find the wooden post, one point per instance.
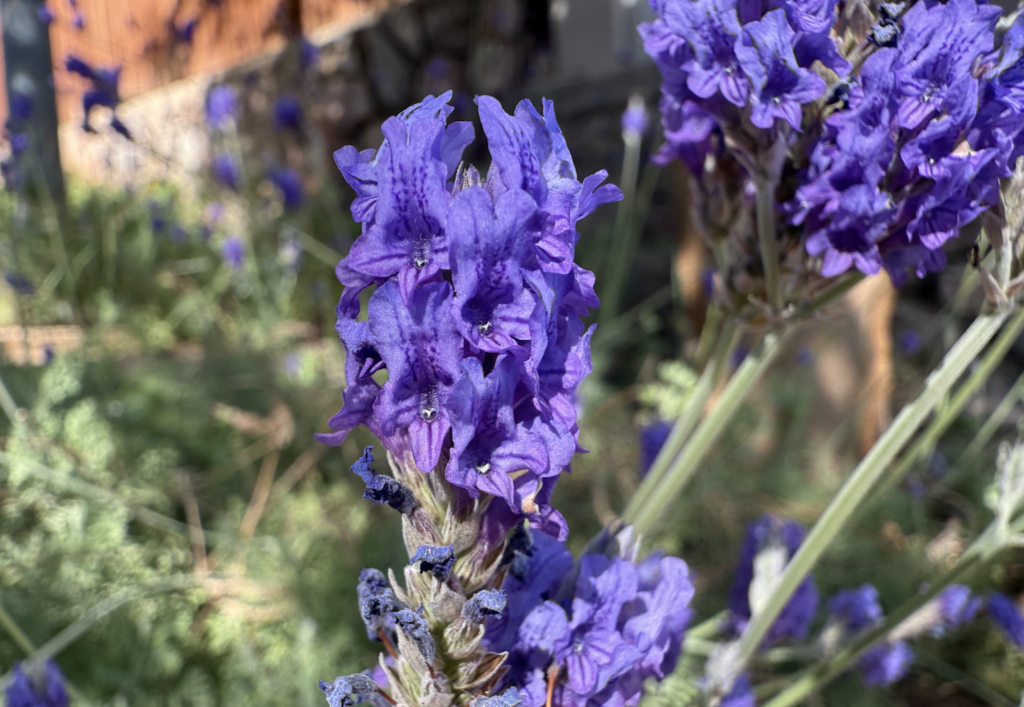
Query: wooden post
<point x="29" y="73"/>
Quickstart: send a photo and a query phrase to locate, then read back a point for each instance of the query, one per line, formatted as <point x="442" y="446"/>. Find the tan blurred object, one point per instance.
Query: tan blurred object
<point x="873" y="303"/>
<point x="278" y="426"/>
<point x="691" y="252"/>
<point x="31" y="345"/>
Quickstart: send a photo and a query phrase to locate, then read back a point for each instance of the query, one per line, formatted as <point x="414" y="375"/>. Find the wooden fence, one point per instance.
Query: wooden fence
<point x="149" y="39"/>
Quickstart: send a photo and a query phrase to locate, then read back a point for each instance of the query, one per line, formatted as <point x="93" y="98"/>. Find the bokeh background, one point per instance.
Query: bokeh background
<point x="170" y="531"/>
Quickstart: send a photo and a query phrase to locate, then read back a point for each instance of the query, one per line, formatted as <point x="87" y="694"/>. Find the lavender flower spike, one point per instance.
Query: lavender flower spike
<point x="36" y="684"/>
<point x="1007" y="616"/>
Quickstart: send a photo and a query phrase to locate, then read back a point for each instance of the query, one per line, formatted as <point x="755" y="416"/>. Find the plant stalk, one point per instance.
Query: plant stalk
<point x="982" y="550"/>
<point x="687" y="421"/>
<point x="707" y="433"/>
<point x="766" y="236"/>
<point x="868" y="473"/>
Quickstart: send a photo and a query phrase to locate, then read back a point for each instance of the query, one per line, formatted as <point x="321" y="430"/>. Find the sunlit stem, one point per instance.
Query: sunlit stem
<point x="687" y="421"/>
<point x="619" y="255"/>
<point x="950" y="411"/>
<point x="693" y="454"/>
<point x="870" y="470"/>
<point x="981" y="551"/>
<point x="767" y="237"/>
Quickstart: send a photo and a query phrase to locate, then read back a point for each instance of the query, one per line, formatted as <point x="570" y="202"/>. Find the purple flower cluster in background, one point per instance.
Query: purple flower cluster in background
<point x="476" y="313"/>
<point x="916" y="151"/>
<point x="770" y="534"/>
<point x="38" y="684"/>
<point x="101" y="93"/>
<point x="855" y="610"/>
<point x="1007" y="616"/>
<point x="903" y="149"/>
<point x="608" y="625"/>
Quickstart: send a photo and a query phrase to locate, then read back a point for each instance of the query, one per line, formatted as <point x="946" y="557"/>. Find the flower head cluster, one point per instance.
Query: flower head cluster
<point x="853" y="611"/>
<point x="875" y="155"/>
<point x="917" y="149"/>
<point x="769" y="544"/>
<point x="605" y="625"/>
<point x="1007" y="617"/>
<point x="476" y="312"/>
<point x="37" y="684"/>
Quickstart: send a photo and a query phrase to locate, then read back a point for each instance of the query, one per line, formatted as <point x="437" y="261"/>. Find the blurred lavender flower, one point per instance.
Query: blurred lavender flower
<point x="634" y="118"/>
<point x="885" y="664"/>
<point x="185" y="32"/>
<point x="767" y="547"/>
<point x="652" y="438"/>
<point x="287" y="113"/>
<point x="221" y="106"/>
<point x="20" y="106"/>
<point x="19" y="283"/>
<point x="289" y="184"/>
<point x="1007" y="616"/>
<point x="36" y="684"/>
<point x="102" y="92"/>
<point x="741" y="695"/>
<point x="909" y="342"/>
<point x="233" y="252"/>
<point x="45" y="14"/>
<point x="856" y="609"/>
<point x="958" y="606"/>
<point x="226" y="170"/>
<point x="308" y="54"/>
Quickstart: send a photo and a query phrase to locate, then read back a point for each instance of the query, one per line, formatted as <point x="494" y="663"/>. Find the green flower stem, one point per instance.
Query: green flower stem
<point x="766" y="235"/>
<point x="622" y="233"/>
<point x="97" y="612"/>
<point x="994" y="421"/>
<point x="949" y="412"/>
<point x="684" y="426"/>
<point x="675" y="478"/>
<point x="14" y="631"/>
<point x="981" y="551"/>
<point x="867" y="474"/>
<point x="839" y="288"/>
<point x="8" y="405"/>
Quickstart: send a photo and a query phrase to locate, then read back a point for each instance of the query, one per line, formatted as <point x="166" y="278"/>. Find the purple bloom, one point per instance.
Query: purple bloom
<point x="45" y="14"/>
<point x="340" y="691"/>
<point x="221" y="106"/>
<point x="635" y="119"/>
<point x="936" y="53"/>
<point x="741" y="694"/>
<point x="184" y="32"/>
<point x="37" y="684"/>
<point x="287" y="113"/>
<point x="362" y="360"/>
<point x="711" y="27"/>
<point x="488" y="445"/>
<point x="308" y="54"/>
<point x="1006" y="615"/>
<point x="652" y="438"/>
<point x="226" y="170"/>
<point x="476" y="315"/>
<point x="289" y="183"/>
<point x="958" y="606"/>
<point x="20" y="106"/>
<point x="769" y="534"/>
<point x="420" y="348"/>
<point x="233" y="252"/>
<point x="416" y="628"/>
<point x="856" y="609"/>
<point x="488" y="242"/>
<point x="622" y="624"/>
<point x="885" y="664"/>
<point x="909" y="342"/>
<point x="103" y="86"/>
<point x="780" y="87"/>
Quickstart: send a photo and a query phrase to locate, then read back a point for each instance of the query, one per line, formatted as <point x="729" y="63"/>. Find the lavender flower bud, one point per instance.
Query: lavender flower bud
<point x="436" y="560"/>
<point x="340" y="692"/>
<point x="509" y="698"/>
<point x="416" y="628"/>
<point x="382" y="489"/>
<point x="486" y="602"/>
